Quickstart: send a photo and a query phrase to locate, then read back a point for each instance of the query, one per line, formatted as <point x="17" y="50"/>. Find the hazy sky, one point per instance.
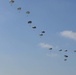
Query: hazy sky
<point x="23" y="51"/>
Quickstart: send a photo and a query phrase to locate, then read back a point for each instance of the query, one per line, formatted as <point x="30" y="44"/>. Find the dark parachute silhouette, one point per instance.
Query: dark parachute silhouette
<point x="19" y="8"/>
<point x="27" y="12"/>
<point x="34" y="27"/>
<point x="65" y="59"/>
<point x="66" y="56"/>
<point x="50" y="48"/>
<point x="74" y="50"/>
<point x="43" y="31"/>
<point x="41" y="34"/>
<point x="60" y="50"/>
<point x="29" y="22"/>
<point x="11" y="1"/>
<point x="66" y="50"/>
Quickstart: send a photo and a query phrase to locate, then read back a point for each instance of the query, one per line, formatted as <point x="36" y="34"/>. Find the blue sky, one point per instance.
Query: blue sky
<point x="23" y="51"/>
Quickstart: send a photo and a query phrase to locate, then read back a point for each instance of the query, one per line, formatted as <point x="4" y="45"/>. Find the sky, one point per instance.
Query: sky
<point x="23" y="51"/>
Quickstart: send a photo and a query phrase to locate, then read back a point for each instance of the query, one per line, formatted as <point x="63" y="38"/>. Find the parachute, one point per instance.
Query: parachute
<point x="74" y="50"/>
<point x="41" y="34"/>
<point x="34" y="27"/>
<point x="66" y="50"/>
<point x="43" y="31"/>
<point x="27" y="12"/>
<point x="66" y="56"/>
<point x="50" y="48"/>
<point x="65" y="59"/>
<point x="11" y="1"/>
<point x="19" y="8"/>
<point x="60" y="50"/>
<point x="29" y="22"/>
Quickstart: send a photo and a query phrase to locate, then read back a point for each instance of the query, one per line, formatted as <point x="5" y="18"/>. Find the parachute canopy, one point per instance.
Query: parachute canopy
<point x="34" y="27"/>
<point x="50" y="48"/>
<point x="11" y="1"/>
<point x="19" y="8"/>
<point x="65" y="59"/>
<point x="41" y="34"/>
<point x="29" y="22"/>
<point x="66" y="56"/>
<point x="66" y="50"/>
<point x="43" y="31"/>
<point x="60" y="50"/>
<point x="27" y="12"/>
<point x="74" y="50"/>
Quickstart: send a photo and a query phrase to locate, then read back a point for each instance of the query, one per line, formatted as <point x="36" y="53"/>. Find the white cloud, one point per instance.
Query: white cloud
<point x="45" y="45"/>
<point x="53" y="55"/>
<point x="69" y="34"/>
